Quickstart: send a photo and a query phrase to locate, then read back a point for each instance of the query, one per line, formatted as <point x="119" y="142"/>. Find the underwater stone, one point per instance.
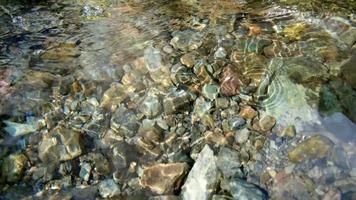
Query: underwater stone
<point x="188" y="60"/>
<point x="13" y="166"/>
<point x="220" y="53"/>
<point x="164" y="178"/>
<point x="151" y="106"/>
<point x="17" y="129"/>
<point x="229" y="163"/>
<point x="60" y="144"/>
<point x="108" y="188"/>
<point x="230" y="82"/>
<point x="267" y="122"/>
<point x="187" y="40"/>
<point x="210" y="91"/>
<point x="248" y="112"/>
<point x="315" y="147"/>
<point x="241" y="189"/>
<point x="202" y="178"/>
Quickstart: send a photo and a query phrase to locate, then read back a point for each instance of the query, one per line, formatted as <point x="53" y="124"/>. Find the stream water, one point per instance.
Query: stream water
<point x="177" y="99"/>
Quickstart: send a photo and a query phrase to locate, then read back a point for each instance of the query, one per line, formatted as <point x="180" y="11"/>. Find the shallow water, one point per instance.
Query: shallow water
<point x="107" y="70"/>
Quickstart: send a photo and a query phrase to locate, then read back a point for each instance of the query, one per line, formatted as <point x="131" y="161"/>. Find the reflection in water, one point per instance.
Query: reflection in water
<point x="130" y="99"/>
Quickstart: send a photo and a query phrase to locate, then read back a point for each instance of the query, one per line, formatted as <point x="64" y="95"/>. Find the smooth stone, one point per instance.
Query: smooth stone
<point x="176" y="101"/>
<point x="210" y="91"/>
<point x="13" y="167"/>
<point x="248" y="112"/>
<point x="230" y="82"/>
<point x="164" y="197"/>
<point x="202" y="178"/>
<point x="215" y="138"/>
<point x="241" y="136"/>
<point x="17" y="129"/>
<point x="164" y="178"/>
<point x="229" y="163"/>
<point x="315" y="147"/>
<point x="236" y="123"/>
<point x="60" y="144"/>
<point x="267" y="122"/>
<point x="243" y="190"/>
<point x="108" y="188"/>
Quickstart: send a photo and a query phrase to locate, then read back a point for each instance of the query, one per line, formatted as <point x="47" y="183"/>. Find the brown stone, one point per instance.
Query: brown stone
<point x="164" y="178"/>
<point x="188" y="60"/>
<point x="230" y="82"/>
<point x="248" y="112"/>
<point x="266" y="123"/>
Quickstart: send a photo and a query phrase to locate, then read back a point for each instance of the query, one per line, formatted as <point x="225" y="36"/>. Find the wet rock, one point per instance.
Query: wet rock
<point x="315" y="147"/>
<point x="236" y="122"/>
<point x="150" y="106"/>
<point x="229" y="163"/>
<point x="288" y="132"/>
<point x="164" y="178"/>
<point x="215" y="138"/>
<point x="230" y="82"/>
<point x="248" y="112"/>
<point x="220" y="53"/>
<point x="187" y="40"/>
<point x="267" y="122"/>
<point x="241" y="136"/>
<point x="241" y="189"/>
<point x="124" y="122"/>
<point x="202" y="178"/>
<point x="210" y="91"/>
<point x="348" y="71"/>
<point x="60" y="144"/>
<point x="291" y="187"/>
<point x="108" y="188"/>
<point x="222" y="103"/>
<point x="13" y="167"/>
<point x="294" y="31"/>
<point x="17" y="129"/>
<point x="158" y="71"/>
<point x="175" y="101"/>
<point x="85" y="171"/>
<point x="164" y="197"/>
<point x="188" y="60"/>
<point x="339" y="158"/>
<point x="113" y="96"/>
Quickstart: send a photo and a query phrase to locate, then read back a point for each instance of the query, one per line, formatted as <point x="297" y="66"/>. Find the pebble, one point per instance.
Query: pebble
<point x="248" y="112"/>
<point x="266" y="123"/>
<point x="108" y="188"/>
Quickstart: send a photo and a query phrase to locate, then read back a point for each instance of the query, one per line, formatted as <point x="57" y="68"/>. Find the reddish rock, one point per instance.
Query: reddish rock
<point x="230" y="82"/>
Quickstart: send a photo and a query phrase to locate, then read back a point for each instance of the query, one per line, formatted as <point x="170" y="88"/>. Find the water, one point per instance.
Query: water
<point x="110" y="70"/>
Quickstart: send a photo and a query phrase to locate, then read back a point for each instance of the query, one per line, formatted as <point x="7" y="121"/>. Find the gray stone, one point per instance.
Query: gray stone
<point x="210" y="91"/>
<point x="17" y="129"/>
<point x="108" y="188"/>
<point x="220" y="53"/>
<point x="236" y="123"/>
<point x="151" y="106"/>
<point x="242" y="190"/>
<point x="241" y="136"/>
<point x="203" y="177"/>
<point x="222" y="102"/>
<point x="228" y="163"/>
<point x="85" y="171"/>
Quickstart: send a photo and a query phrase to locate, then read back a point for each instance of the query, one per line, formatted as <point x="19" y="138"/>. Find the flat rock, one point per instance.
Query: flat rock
<point x="164" y="178"/>
<point x="315" y="147"/>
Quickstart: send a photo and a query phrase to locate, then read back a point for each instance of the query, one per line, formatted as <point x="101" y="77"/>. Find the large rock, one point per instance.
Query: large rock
<point x="164" y="178"/>
<point x="203" y="177"/>
<point x="60" y="144"/>
<point x="229" y="163"/>
<point x="315" y="147"/>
